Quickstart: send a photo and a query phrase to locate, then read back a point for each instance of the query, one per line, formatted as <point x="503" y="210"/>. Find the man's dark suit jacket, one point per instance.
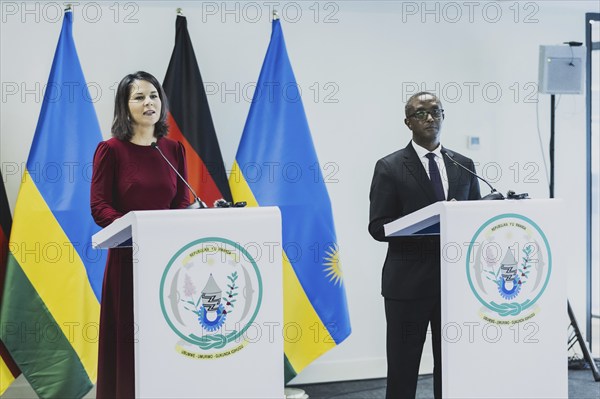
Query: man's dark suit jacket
<point x="401" y="186"/>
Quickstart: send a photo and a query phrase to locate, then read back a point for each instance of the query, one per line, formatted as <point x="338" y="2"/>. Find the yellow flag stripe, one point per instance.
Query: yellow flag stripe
<point x="56" y="272"/>
<point x="298" y="314"/>
<point x="240" y="190"/>
<point x="305" y="336"/>
<point x="6" y="377"/>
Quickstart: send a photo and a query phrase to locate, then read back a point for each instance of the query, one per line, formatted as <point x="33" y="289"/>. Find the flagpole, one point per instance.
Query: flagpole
<point x="290" y="393"/>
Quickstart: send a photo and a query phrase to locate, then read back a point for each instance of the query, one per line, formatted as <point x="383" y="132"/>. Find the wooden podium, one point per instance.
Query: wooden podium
<point x="207" y="301"/>
<point x="503" y="287"/>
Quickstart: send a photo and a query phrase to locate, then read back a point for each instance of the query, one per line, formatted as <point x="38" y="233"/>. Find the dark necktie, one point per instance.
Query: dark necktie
<point x="434" y="175"/>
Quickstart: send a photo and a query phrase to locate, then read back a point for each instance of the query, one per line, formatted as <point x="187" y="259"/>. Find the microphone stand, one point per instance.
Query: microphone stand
<point x="494" y="195"/>
<point x="198" y="203"/>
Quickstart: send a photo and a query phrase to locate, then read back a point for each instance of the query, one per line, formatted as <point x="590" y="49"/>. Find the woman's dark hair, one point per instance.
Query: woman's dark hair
<point x="121" y="126"/>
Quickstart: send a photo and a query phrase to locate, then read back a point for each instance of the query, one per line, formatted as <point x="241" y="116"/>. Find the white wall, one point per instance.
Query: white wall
<point x="356" y="62"/>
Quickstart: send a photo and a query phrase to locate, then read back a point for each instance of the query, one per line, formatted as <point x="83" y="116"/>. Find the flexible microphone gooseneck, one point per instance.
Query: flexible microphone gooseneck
<point x="198" y="203"/>
<point x="494" y="195"/>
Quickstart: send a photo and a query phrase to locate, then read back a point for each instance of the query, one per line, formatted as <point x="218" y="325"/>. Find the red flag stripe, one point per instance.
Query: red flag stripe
<point x="8" y="360"/>
<point x="198" y="175"/>
<point x="189" y="107"/>
<point x="3" y="256"/>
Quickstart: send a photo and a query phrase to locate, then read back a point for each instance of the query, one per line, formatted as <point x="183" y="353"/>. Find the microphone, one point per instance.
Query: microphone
<point x="494" y="195"/>
<point x="197" y="204"/>
<point x="221" y="203"/>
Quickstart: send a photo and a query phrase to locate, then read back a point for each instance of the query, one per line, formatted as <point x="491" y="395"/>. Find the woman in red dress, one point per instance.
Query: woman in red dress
<point x="129" y="174"/>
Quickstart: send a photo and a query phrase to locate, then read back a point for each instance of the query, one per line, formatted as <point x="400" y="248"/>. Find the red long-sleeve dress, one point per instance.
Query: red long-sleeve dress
<point x="128" y="177"/>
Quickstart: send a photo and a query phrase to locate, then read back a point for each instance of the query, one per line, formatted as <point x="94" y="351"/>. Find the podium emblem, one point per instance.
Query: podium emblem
<point x="210" y="294"/>
<point x="509" y="264"/>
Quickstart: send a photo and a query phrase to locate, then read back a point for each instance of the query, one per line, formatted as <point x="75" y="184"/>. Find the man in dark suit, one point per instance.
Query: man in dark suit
<point x="404" y="182"/>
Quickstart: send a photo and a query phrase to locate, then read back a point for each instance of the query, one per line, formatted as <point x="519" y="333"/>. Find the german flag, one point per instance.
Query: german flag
<point x="9" y="371"/>
<point x="190" y="121"/>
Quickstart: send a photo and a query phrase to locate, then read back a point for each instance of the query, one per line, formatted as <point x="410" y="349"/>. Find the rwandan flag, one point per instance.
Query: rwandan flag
<point x="8" y="368"/>
<point x="190" y="122"/>
<point x="275" y="165"/>
<point x="50" y="309"/>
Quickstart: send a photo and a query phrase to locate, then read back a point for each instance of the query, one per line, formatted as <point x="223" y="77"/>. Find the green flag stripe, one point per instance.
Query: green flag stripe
<point x="36" y="342"/>
<point x="288" y="370"/>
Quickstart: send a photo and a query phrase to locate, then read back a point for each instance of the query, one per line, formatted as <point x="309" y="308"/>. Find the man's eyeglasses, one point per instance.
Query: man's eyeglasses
<point x="422" y="114"/>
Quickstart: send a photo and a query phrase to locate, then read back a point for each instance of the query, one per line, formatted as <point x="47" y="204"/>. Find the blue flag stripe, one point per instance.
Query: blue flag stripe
<point x="60" y="160"/>
<point x="283" y="170"/>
